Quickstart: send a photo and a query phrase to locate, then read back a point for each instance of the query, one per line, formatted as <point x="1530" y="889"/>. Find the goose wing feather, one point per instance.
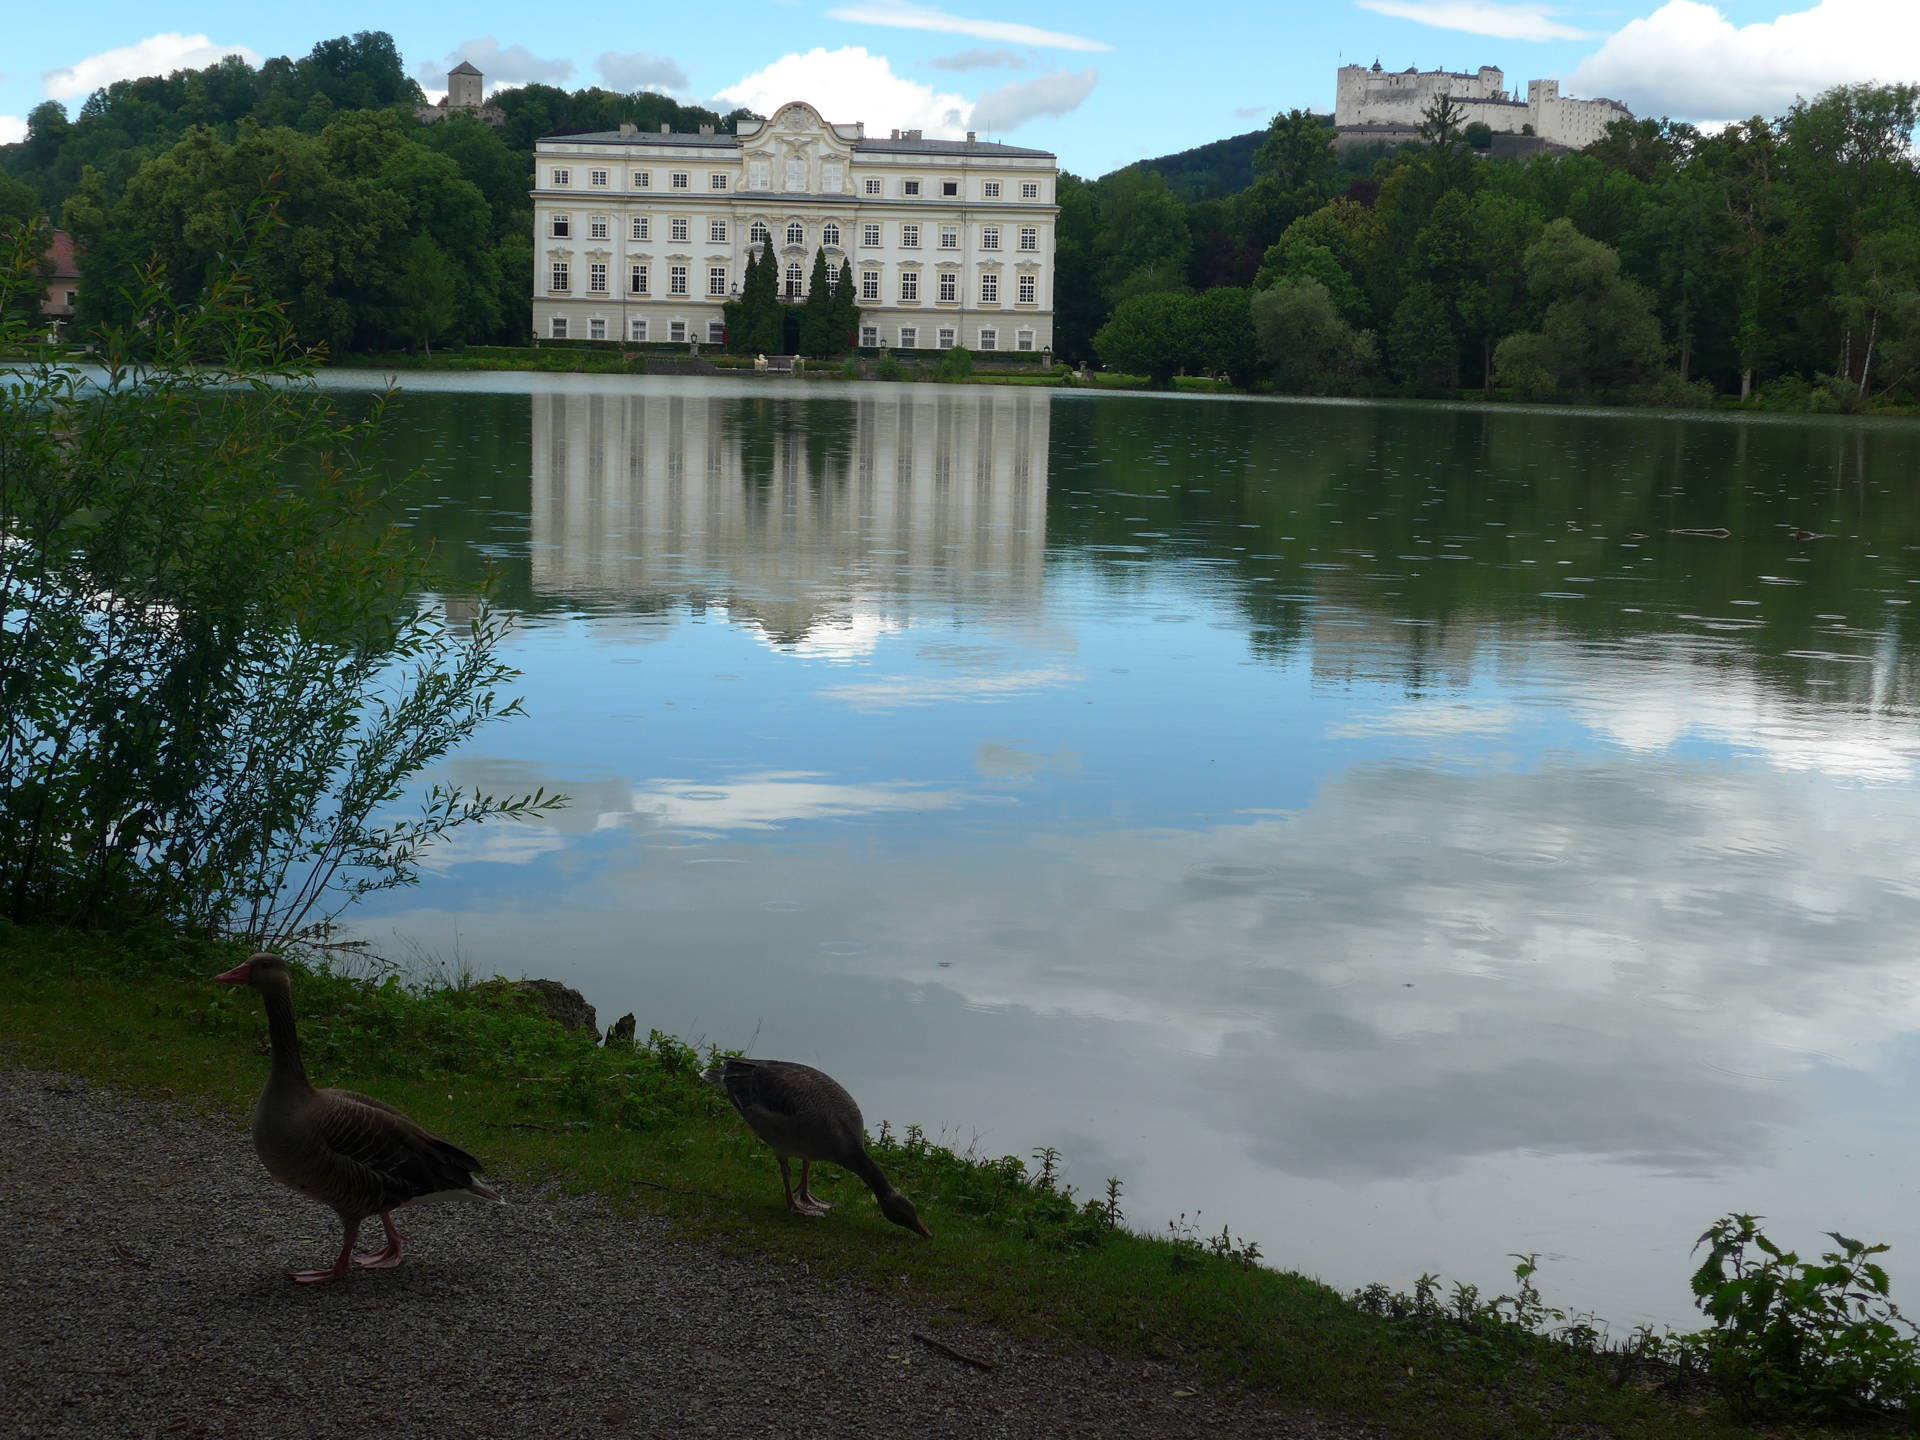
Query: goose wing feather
<point x="379" y="1154"/>
<point x="795" y="1106"/>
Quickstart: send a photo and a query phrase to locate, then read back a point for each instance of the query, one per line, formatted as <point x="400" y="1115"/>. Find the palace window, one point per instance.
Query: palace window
<point x="873" y="185"/>
<point x="716" y="332"/>
<point x="796" y="233"/>
<point x="717" y="232"/>
<point x="642" y="228"/>
<point x="596" y="227"/>
<point x="562" y="179"/>
<point x="989" y="289"/>
<point x="944" y="339"/>
<point x="681" y="180"/>
<point x="596" y="329"/>
<point x="678" y="228"/>
<point x="870" y="235"/>
<point x="830" y="181"/>
<point x="677" y="280"/>
<point x="909" y="187"/>
<point x="793" y="281"/>
<point x="636" y="329"/>
<point x="1029" y="238"/>
<point x="949" y="285"/>
<point x="637" y="280"/>
<point x="950" y="188"/>
<point x="989" y="339"/>
<point x="949" y="237"/>
<point x="557" y="327"/>
<point x="910" y="286"/>
<point x="597" y="178"/>
<point x="758" y="234"/>
<point x="869" y="335"/>
<point x="1029" y="189"/>
<point x="677" y="331"/>
<point x="758" y="176"/>
<point x="597" y="278"/>
<point x="991" y="189"/>
<point x="643" y="180"/>
<point x="830" y="235"/>
<point x="869" y="284"/>
<point x="1023" y="340"/>
<point x="562" y="226"/>
<point x="910" y="237"/>
<point x="990" y="237"/>
<point x="717" y="280"/>
<point x="909" y="337"/>
<point x="716" y="181"/>
<point x="1029" y="289"/>
<point x="562" y="277"/>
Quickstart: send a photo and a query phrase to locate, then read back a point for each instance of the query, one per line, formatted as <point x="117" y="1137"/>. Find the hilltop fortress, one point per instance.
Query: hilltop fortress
<point x="1371" y="104"/>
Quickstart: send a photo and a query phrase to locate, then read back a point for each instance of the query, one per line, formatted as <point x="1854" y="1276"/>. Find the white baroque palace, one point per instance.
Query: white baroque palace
<point x="1371" y="103"/>
<point x="645" y="236"/>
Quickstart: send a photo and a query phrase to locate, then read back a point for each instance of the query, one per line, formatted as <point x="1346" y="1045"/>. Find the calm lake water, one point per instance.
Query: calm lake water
<point x="1369" y="826"/>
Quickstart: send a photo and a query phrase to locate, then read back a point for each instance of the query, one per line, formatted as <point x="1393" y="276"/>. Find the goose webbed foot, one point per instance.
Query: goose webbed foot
<point x="342" y="1266"/>
<point x="389" y="1257"/>
<point x="810" y="1203"/>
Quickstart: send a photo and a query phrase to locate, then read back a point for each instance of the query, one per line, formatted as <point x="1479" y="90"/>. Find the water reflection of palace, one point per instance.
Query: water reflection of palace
<point x="796" y="514"/>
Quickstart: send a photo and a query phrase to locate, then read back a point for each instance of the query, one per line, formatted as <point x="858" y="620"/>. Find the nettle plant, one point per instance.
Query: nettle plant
<point x="216" y="681"/>
<point x="1817" y="1339"/>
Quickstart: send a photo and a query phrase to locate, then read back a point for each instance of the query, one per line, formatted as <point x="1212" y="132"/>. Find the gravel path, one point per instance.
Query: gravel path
<point x="142" y="1293"/>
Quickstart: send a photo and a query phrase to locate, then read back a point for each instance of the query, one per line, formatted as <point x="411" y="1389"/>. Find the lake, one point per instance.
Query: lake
<point x="1372" y="827"/>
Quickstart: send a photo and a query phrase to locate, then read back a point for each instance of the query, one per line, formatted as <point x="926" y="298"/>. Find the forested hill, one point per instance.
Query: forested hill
<point x="379" y="209"/>
<point x="1210" y="171"/>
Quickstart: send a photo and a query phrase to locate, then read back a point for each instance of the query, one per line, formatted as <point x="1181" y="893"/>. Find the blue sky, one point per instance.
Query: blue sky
<point x="1099" y="84"/>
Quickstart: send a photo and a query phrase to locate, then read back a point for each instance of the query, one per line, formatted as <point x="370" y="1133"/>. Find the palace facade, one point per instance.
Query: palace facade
<point x="645" y="236"/>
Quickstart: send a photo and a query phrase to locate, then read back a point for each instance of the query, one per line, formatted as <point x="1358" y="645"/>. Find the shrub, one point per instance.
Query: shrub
<point x="215" y="680"/>
<point x="955" y="364"/>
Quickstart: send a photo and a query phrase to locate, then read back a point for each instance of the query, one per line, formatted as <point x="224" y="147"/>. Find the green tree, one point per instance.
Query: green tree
<point x="1153" y="335"/>
<point x="1305" y="344"/>
<point x="1294" y="172"/>
<point x="816" y="312"/>
<point x="844" y="316"/>
<point x="1597" y="332"/>
<point x="1422" y="349"/>
<point x="427" y="294"/>
<point x="1227" y="344"/>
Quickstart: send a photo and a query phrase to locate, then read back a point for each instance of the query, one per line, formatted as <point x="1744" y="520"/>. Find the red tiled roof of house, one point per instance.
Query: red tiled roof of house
<point x="60" y="255"/>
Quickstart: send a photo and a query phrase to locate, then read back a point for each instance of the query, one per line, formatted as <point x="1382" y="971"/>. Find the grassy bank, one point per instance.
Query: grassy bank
<point x="637" y="1126"/>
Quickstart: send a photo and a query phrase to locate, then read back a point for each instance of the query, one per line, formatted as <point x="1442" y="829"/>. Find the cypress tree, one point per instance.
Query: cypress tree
<point x="816" y="315"/>
<point x="768" y="319"/>
<point x="846" y="312"/>
<point x="739" y="313"/>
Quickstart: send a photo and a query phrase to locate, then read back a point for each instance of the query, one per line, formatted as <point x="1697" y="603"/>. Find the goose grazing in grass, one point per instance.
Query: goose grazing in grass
<point x="800" y="1112"/>
<point x="352" y="1153"/>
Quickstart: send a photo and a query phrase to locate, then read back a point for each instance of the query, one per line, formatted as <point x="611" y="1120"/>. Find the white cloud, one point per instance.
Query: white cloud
<point x="1480" y="17"/>
<point x="155" y="55"/>
<point x="905" y="691"/>
<point x="1251" y="112"/>
<point x="855" y="85"/>
<point x="902" y="16"/>
<point x="639" y="70"/>
<point x="1688" y="59"/>
<point x="13" y="129"/>
<point x="980" y="60"/>
<point x="1011" y="106"/>
<point x="776" y="798"/>
<point x="501" y="64"/>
